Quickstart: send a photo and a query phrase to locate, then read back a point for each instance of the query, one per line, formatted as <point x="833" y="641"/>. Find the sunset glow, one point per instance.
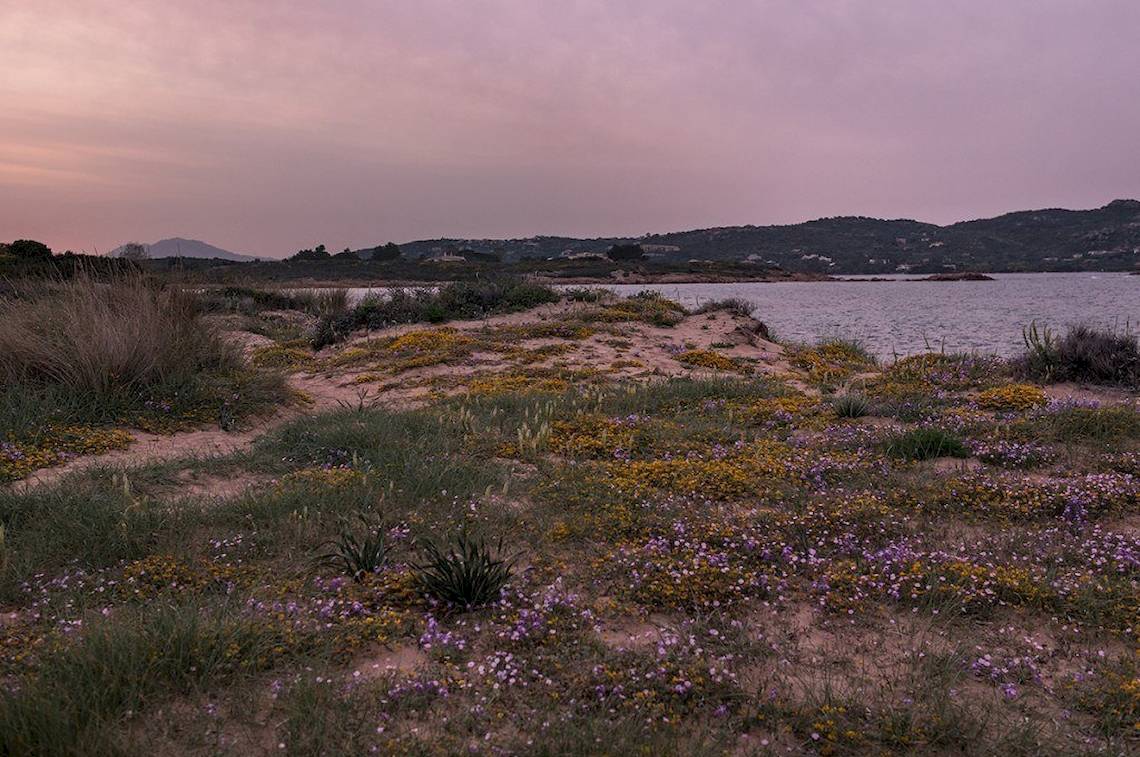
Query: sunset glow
<point x="269" y="126"/>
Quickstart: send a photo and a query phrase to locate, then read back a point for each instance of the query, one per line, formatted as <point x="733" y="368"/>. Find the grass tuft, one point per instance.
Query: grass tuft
<point x="735" y="305"/>
<point x="122" y="351"/>
<point x="97" y="339"/>
<point x="360" y="551"/>
<point x="850" y="406"/>
<point x="466" y="572"/>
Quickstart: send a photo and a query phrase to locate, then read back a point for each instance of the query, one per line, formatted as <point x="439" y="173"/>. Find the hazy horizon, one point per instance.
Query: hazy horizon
<point x="266" y="127"/>
<point x="591" y="236"/>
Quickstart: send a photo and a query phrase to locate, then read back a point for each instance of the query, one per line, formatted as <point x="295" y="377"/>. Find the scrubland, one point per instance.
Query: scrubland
<point x="499" y="520"/>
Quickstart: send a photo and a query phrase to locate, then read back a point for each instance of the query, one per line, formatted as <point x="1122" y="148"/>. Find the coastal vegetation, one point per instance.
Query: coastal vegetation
<point x="505" y="520"/>
<point x="452" y="301"/>
<point x="1082" y="354"/>
<point x="83" y="358"/>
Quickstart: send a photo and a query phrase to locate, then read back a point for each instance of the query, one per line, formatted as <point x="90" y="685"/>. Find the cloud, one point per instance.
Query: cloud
<point x="271" y="126"/>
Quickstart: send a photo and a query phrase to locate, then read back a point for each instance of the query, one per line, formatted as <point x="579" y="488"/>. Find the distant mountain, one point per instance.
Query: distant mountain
<point x="1106" y="238"/>
<point x="186" y="248"/>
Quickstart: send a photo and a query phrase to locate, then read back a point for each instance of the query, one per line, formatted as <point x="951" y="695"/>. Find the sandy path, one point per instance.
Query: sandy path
<point x="212" y="442"/>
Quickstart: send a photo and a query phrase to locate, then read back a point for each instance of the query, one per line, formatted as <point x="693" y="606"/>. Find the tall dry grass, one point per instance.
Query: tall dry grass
<point x="95" y="337"/>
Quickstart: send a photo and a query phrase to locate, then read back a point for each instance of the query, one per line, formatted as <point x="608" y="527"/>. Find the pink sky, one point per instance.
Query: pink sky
<point x="264" y="127"/>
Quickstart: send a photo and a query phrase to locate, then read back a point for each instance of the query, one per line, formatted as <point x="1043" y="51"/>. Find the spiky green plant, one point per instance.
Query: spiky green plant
<point x="464" y="573"/>
<point x="850" y="405"/>
<point x="358" y="551"/>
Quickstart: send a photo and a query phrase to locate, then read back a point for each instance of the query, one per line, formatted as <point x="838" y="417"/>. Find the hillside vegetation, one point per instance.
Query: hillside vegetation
<point x="600" y="525"/>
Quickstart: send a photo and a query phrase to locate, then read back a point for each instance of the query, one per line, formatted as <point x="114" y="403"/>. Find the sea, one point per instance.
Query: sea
<point x="904" y="315"/>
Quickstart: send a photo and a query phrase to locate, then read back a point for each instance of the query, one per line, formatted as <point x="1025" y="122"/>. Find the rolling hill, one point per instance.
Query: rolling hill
<point x="186" y="248"/>
<point x="1106" y="238"/>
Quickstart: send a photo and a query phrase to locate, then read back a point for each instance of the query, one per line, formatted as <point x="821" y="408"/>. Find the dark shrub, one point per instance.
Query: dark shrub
<point x="28" y="249"/>
<point x="461" y="300"/>
<point x="734" y="305"/>
<point x="250" y="300"/>
<point x="625" y="252"/>
<point x="1084" y="353"/>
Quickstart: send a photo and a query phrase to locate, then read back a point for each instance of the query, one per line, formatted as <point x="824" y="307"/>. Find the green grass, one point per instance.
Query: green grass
<point x="1106" y="424"/>
<point x="926" y="444"/>
<point x="89" y="525"/>
<point x="871" y="586"/>
<point x="410" y="461"/>
<point x="120" y="668"/>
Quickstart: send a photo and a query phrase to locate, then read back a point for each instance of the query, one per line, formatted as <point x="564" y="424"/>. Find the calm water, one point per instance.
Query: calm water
<point x="903" y="316"/>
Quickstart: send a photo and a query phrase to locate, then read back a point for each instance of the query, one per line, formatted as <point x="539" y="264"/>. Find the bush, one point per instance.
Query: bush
<point x="1084" y="353"/>
<point x="1009" y="398"/>
<point x="249" y="300"/>
<point x="27" y="249"/>
<point x="926" y="444"/>
<point x="625" y="252"/>
<point x="467" y="573"/>
<point x="648" y="306"/>
<point x="461" y="300"/>
<point x="711" y="360"/>
<point x="122" y="351"/>
<point x="850" y="406"/>
<point x="734" y="305"/>
<point x="94" y="338"/>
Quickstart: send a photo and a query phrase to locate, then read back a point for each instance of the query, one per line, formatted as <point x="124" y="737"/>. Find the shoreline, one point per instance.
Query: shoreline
<point x="633" y="279"/>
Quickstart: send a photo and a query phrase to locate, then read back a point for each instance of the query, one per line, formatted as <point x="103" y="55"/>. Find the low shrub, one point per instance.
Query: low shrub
<point x="735" y="305"/>
<point x="831" y="360"/>
<point x="122" y="350"/>
<point x="926" y="444"/>
<point x="1112" y="696"/>
<point x="456" y="301"/>
<point x="954" y="371"/>
<point x="647" y="306"/>
<point x="250" y="300"/>
<point x="1011" y="398"/>
<point x="1084" y="353"/>
<point x="711" y="360"/>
